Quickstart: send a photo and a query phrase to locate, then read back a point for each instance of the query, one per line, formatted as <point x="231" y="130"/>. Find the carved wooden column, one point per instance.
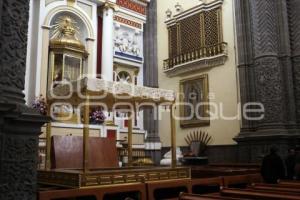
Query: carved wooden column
<point x="151" y="79"/>
<point x="19" y="125"/>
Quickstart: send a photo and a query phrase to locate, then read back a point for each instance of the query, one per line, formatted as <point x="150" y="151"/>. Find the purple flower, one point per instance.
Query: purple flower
<point x="97" y="116"/>
<point x="40" y="105"/>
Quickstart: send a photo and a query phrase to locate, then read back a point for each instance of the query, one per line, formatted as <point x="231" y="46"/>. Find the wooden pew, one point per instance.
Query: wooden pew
<point x="101" y="193"/>
<point x="280" y="185"/>
<point x="216" y="171"/>
<point x="255" y="178"/>
<point x="167" y="189"/>
<point x="294" y="184"/>
<point x="236" y="181"/>
<point x="206" y="185"/>
<point x="277" y="190"/>
<point x="242" y="193"/>
<point x="185" y="196"/>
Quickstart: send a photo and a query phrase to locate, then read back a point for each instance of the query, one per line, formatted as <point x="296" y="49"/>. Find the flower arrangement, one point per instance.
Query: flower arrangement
<point x="97" y="116"/>
<point x="40" y="105"/>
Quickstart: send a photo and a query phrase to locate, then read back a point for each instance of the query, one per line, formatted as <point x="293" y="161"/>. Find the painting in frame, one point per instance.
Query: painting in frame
<point x="194" y="102"/>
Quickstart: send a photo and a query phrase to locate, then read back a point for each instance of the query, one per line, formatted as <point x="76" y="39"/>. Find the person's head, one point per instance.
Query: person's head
<point x="291" y="151"/>
<point x="273" y="150"/>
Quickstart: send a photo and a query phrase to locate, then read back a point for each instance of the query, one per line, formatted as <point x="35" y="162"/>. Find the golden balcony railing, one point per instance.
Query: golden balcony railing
<point x="196" y="54"/>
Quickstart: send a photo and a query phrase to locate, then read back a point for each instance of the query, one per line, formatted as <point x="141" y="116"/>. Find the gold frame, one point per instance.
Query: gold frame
<point x="198" y="122"/>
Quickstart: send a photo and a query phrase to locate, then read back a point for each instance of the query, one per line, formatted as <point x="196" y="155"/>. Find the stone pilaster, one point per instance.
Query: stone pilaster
<point x="266" y="76"/>
<point x="20" y="126"/>
<point x="268" y="72"/>
<point x="286" y="63"/>
<point x="294" y="24"/>
<point x="151" y="79"/>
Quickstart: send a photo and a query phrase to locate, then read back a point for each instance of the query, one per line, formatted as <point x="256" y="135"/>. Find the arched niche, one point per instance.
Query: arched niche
<point x="86" y="37"/>
<point x="83" y="32"/>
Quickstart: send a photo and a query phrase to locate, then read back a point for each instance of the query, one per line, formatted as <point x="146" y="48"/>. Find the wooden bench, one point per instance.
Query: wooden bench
<point x="206" y="185"/>
<point x="185" y="196"/>
<point x="213" y="171"/>
<point x="255" y="178"/>
<point x="280" y="185"/>
<point x="167" y="189"/>
<point x="249" y="194"/>
<point x="277" y="190"/>
<point x="241" y="181"/>
<point x="294" y="184"/>
<point x="102" y="193"/>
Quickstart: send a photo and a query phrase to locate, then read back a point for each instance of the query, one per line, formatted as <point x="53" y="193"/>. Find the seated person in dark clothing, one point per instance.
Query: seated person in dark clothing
<point x="297" y="163"/>
<point x="290" y="163"/>
<point x="272" y="168"/>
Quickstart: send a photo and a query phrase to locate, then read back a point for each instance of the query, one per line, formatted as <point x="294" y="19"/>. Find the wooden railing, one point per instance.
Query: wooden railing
<point x="203" y="52"/>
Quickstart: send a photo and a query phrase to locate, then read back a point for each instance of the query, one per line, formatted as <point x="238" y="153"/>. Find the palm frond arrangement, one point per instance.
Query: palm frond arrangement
<point x="201" y="138"/>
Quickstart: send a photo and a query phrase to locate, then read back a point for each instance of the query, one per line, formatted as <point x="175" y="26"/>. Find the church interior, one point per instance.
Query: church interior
<point x="149" y="99"/>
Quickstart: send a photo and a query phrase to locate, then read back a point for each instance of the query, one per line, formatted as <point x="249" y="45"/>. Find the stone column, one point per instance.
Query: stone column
<point x="267" y="68"/>
<point x="152" y="142"/>
<point x="294" y="24"/>
<point x="20" y="126"/>
<point x="265" y="73"/>
<point x="108" y="42"/>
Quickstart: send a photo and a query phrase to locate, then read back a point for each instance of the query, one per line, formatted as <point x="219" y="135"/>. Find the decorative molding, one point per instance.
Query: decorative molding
<point x="131" y="5"/>
<point x="195" y="10"/>
<point x="128" y="22"/>
<point x="110" y="5"/>
<point x="112" y="177"/>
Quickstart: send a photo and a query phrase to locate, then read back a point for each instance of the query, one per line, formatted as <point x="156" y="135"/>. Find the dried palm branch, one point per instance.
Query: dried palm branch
<point x="203" y="138"/>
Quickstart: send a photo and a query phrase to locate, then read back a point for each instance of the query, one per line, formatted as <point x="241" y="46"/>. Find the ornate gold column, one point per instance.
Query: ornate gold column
<point x="130" y="138"/>
<point x="86" y="122"/>
<point x="48" y="146"/>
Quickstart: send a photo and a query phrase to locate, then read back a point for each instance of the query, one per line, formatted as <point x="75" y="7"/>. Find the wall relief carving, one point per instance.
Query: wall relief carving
<point x="128" y="42"/>
<point x="269" y="89"/>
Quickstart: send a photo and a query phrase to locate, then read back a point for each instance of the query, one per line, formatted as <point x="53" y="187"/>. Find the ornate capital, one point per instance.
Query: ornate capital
<point x="110" y="5"/>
